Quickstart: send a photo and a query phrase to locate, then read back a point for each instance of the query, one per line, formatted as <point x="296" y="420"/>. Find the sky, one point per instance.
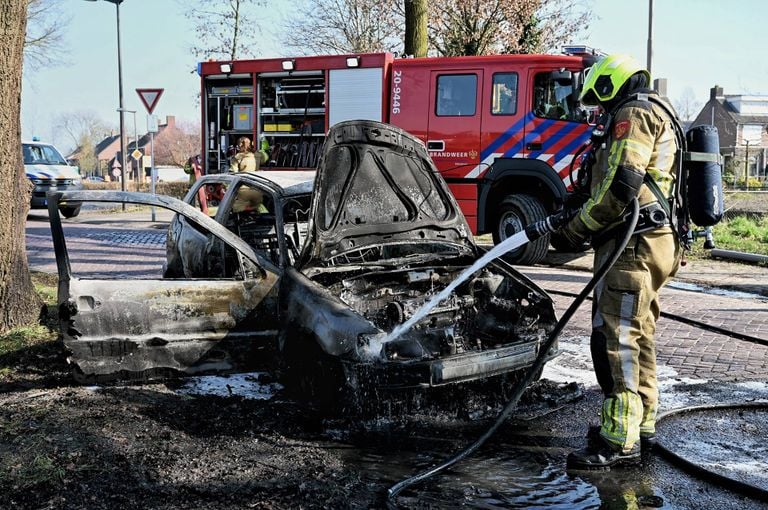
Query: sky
<point x="697" y="44"/>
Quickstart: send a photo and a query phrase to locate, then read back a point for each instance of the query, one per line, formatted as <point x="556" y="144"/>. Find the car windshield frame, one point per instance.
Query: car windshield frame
<point x="44" y="154"/>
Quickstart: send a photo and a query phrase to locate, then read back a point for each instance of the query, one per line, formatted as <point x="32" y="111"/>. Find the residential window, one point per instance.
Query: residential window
<point x="456" y="95"/>
<point x="751" y="133"/>
<point x="504" y="94"/>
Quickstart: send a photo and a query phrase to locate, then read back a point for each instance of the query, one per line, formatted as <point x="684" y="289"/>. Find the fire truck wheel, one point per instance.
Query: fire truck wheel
<point x="514" y="213"/>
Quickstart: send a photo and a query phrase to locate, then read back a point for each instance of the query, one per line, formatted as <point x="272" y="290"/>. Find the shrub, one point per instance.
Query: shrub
<point x="752" y="182"/>
<point x="176" y="189"/>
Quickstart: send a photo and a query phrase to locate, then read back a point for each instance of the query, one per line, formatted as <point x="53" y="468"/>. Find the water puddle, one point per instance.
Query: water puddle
<point x="508" y="477"/>
<point x="692" y="287"/>
<point x="249" y="385"/>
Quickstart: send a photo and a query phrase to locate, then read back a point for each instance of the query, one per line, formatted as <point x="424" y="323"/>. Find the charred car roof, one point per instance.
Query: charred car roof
<point x="288" y="183"/>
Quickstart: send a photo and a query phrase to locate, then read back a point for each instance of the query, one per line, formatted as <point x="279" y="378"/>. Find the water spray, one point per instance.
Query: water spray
<point x="531" y="233"/>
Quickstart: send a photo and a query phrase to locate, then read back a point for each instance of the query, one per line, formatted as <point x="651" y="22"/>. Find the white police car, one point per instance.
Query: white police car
<point x="48" y="170"/>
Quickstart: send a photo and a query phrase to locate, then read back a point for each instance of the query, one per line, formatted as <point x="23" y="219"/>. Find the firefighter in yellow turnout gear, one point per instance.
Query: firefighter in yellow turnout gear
<point x="639" y="146"/>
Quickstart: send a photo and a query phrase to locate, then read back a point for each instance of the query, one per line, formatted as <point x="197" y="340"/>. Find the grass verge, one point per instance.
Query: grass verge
<point x="32" y="350"/>
<point x="34" y="334"/>
<point x="741" y="233"/>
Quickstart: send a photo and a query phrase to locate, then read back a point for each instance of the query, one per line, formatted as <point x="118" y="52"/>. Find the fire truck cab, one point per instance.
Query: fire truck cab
<point x="502" y="130"/>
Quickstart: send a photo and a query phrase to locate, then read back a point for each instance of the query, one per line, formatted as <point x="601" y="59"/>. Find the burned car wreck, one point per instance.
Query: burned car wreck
<point x="382" y="236"/>
<point x="385" y="235"/>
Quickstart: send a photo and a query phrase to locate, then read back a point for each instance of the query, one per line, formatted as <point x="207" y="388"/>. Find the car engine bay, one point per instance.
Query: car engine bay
<point x="488" y="311"/>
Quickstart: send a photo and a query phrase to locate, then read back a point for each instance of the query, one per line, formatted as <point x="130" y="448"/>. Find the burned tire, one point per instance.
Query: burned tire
<point x="69" y="211"/>
<point x="515" y="213"/>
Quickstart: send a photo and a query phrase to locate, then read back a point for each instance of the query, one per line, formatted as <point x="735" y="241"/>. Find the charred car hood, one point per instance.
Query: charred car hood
<point x="376" y="185"/>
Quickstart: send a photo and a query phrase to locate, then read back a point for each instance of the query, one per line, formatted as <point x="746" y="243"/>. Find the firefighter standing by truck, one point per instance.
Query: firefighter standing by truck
<point x="634" y="158"/>
<point x="245" y="160"/>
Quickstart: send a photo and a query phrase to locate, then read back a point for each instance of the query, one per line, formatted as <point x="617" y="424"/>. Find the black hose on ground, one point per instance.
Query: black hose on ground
<point x="691" y="322"/>
<point x="750" y="490"/>
<point x="537" y="364"/>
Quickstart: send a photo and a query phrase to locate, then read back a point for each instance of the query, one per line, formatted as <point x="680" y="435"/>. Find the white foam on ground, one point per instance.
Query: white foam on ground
<point x="760" y="386"/>
<point x="713" y="290"/>
<point x="750" y="468"/>
<point x="575" y="365"/>
<point x="241" y="385"/>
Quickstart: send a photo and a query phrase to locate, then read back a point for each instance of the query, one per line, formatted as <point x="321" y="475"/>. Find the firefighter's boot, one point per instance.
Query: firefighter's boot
<point x="601" y="455"/>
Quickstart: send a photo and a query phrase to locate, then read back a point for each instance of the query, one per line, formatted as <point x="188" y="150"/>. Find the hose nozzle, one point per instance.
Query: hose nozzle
<point x="550" y="224"/>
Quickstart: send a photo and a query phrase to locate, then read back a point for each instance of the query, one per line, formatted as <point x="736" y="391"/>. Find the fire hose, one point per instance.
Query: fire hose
<point x="531" y="233"/>
<point x="675" y="458"/>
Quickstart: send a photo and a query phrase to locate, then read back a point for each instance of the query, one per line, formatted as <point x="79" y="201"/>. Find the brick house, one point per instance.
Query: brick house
<point x="172" y="147"/>
<point x="168" y="148"/>
<point x="105" y="152"/>
<point x="742" y="124"/>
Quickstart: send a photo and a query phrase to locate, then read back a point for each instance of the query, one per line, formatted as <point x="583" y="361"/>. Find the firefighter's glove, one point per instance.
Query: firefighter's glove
<point x="575" y="200"/>
<point x="575" y="232"/>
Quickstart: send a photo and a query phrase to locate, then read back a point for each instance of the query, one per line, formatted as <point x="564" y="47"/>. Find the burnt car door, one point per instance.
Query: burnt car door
<point x="117" y="328"/>
<point x="249" y="208"/>
<point x="189" y="244"/>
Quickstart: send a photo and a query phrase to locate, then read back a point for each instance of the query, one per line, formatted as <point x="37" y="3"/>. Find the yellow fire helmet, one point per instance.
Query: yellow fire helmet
<point x="605" y="78"/>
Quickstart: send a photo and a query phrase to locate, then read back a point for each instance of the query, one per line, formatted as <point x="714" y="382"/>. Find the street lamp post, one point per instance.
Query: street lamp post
<point x="120" y="89"/>
<point x="649" y="55"/>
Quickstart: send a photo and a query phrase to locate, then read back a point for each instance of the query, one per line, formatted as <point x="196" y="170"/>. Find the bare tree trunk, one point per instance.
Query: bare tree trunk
<point x="19" y="304"/>
<point x="416" y="28"/>
<point x="236" y="29"/>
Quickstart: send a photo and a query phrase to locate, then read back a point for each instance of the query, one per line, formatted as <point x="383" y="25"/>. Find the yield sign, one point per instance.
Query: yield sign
<point x="149" y="97"/>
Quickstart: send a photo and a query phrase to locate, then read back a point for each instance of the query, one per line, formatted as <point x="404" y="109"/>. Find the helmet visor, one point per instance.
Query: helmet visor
<point x="586" y="92"/>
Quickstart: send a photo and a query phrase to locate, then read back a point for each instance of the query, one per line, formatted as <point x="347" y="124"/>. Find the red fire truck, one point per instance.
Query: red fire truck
<point x="502" y="130"/>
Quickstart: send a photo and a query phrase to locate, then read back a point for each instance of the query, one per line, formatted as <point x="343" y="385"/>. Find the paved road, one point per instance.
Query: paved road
<point x="691" y="351"/>
<point x="101" y="243"/>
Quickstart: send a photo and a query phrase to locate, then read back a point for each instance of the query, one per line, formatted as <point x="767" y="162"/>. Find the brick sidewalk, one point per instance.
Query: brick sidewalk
<point x="737" y="276"/>
<point x="691" y="351"/>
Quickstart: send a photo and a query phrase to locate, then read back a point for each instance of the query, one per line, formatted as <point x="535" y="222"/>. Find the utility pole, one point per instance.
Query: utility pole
<point x="650" y="36"/>
<point x="120" y="91"/>
<point x="153" y="174"/>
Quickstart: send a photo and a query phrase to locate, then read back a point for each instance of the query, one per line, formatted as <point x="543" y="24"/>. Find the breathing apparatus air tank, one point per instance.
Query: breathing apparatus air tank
<point x="704" y="182"/>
